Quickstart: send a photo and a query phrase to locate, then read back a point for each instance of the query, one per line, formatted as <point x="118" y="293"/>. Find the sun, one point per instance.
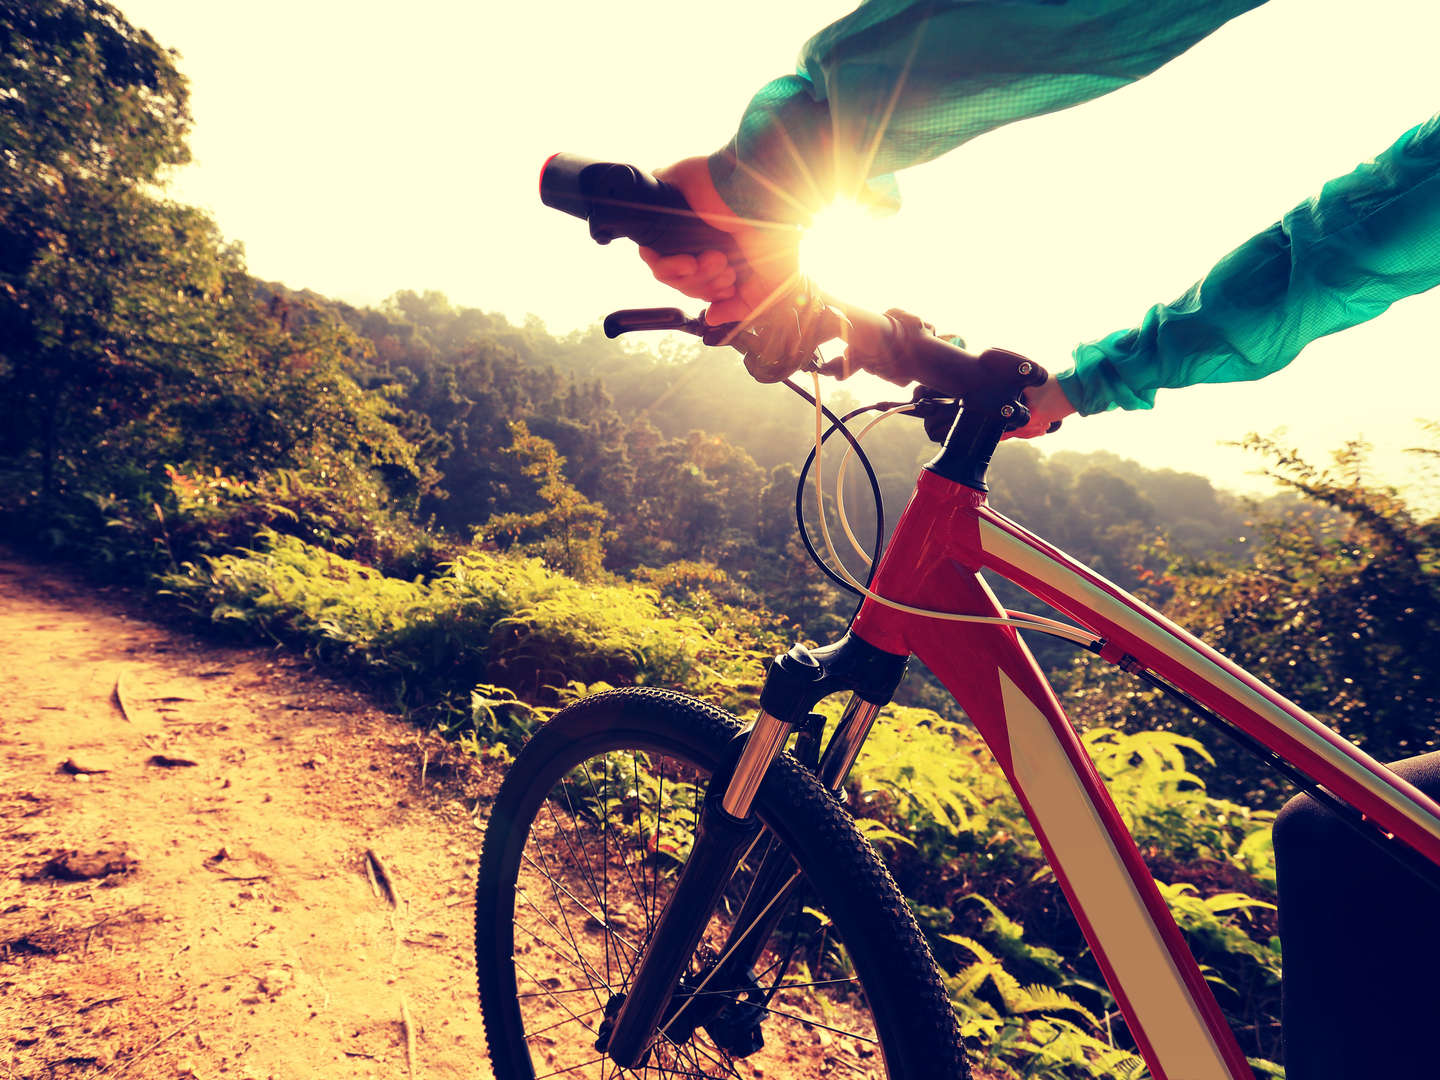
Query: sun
<point x="851" y="253"/>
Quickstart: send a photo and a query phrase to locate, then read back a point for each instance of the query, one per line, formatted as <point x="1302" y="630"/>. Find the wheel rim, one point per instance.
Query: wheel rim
<point x="594" y="868"/>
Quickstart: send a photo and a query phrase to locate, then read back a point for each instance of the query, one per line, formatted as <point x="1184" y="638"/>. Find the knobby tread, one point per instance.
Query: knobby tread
<point x="908" y="999"/>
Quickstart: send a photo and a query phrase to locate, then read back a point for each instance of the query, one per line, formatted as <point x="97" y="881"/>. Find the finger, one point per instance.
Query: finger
<point x="724" y="279"/>
<point x="744" y="301"/>
<point x="672" y="269"/>
<point x="711" y="262"/>
<point x="727" y="310"/>
<point x="703" y="290"/>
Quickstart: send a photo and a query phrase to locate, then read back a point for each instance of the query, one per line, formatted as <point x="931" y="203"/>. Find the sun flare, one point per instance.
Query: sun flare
<point x="849" y="252"/>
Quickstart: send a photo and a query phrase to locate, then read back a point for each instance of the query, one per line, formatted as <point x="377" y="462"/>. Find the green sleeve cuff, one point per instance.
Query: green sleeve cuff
<point x="780" y="166"/>
<point x="1095" y="384"/>
<point x="776" y="168"/>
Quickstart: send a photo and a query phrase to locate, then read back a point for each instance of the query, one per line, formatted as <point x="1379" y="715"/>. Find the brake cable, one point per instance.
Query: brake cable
<point x="839" y="424"/>
<point x="1020" y="620"/>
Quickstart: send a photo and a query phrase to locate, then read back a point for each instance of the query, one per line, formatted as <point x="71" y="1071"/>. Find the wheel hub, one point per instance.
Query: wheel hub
<point x="731" y="1018"/>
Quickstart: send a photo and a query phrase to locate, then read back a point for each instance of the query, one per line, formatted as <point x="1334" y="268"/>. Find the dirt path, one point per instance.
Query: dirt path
<point x="221" y="922"/>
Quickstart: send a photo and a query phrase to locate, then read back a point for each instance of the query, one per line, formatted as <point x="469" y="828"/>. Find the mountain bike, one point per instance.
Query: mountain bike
<point x="665" y="891"/>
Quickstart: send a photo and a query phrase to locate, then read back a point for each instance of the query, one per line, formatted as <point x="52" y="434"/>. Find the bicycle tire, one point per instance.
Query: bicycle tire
<point x="907" y="1029"/>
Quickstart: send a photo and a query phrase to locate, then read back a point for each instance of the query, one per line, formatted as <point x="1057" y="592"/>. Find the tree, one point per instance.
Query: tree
<point x="131" y="337"/>
<point x="566" y="532"/>
<point x="94" y="111"/>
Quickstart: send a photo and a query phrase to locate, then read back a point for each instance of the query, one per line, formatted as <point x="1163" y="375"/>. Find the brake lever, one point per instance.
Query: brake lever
<point x="667" y="318"/>
<point x="629" y="320"/>
<point x="773" y="350"/>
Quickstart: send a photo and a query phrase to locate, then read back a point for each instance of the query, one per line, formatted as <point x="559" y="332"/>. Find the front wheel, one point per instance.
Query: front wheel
<point x="583" y="847"/>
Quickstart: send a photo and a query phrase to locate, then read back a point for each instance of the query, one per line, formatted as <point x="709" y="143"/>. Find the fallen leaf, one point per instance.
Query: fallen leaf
<point x="167" y="762"/>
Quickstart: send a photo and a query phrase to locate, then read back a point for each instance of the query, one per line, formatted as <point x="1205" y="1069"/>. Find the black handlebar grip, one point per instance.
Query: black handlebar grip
<point x="623" y="322"/>
<point x="620" y="200"/>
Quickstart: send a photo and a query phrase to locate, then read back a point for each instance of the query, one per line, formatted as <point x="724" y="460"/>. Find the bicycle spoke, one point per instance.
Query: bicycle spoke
<point x="655" y="868"/>
<point x="578" y="963"/>
<point x="636" y="887"/>
<point x="559" y="990"/>
<point x="812" y="1022"/>
<point x="738" y="942"/>
<point x="605" y="925"/>
<point x="585" y="967"/>
<point x="573" y="1014"/>
<point x="725" y="1063"/>
<point x="605" y="880"/>
<point x="572" y="1068"/>
<point x="851" y="981"/>
<point x="568" y="933"/>
<point x="533" y="1032"/>
<point x="646" y="900"/>
<point x="585" y="870"/>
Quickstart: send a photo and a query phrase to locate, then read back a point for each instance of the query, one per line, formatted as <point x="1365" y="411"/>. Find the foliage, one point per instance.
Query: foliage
<point x="1329" y="611"/>
<point x="486" y="619"/>
<point x="498" y="716"/>
<point x="1167" y="808"/>
<point x="211" y="513"/>
<point x="131" y="338"/>
<point x="729" y="609"/>
<point x="1027" y="1030"/>
<point x="566" y="532"/>
<point x="684" y="480"/>
<point x="965" y="855"/>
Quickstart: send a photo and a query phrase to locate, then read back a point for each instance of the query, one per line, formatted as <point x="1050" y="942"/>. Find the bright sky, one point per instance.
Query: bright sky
<point x="359" y="147"/>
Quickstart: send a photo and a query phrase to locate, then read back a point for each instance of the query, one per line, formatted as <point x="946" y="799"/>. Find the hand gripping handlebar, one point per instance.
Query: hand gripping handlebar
<point x="620" y="200"/>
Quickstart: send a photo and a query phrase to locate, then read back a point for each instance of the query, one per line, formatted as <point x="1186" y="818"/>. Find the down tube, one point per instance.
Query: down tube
<point x="1130" y="627"/>
<point x="1167" y="1005"/>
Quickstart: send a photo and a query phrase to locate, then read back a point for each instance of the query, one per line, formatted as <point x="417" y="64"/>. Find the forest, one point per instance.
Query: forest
<point x="481" y="521"/>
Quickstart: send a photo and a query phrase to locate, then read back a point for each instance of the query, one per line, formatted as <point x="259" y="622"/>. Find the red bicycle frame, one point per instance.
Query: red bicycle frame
<point x="946" y="536"/>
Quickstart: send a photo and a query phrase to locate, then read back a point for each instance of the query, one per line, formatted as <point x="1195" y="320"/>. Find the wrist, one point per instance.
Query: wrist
<point x="778" y="167"/>
<point x="1050" y="400"/>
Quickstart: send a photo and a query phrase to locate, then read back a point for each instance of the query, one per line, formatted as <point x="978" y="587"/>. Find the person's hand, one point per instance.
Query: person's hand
<point x="770" y="253"/>
<point x="1048" y="406"/>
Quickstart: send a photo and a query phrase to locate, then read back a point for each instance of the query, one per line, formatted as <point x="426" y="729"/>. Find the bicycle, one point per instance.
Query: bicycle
<point x="781" y="921"/>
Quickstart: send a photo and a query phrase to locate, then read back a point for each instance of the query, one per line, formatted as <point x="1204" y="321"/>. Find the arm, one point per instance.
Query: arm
<point x="896" y="83"/>
<point x="1367" y="239"/>
<point x="899" y="82"/>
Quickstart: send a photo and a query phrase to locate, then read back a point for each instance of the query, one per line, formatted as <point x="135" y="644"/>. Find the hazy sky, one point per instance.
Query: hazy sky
<point x="358" y="147"/>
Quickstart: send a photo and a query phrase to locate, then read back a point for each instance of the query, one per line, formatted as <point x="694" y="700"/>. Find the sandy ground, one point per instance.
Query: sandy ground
<point x="201" y="904"/>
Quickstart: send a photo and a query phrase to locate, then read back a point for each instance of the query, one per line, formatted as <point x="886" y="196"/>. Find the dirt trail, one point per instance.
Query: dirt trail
<point x="223" y="923"/>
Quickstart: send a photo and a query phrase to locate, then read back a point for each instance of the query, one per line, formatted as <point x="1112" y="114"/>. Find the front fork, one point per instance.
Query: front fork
<point x="727" y="828"/>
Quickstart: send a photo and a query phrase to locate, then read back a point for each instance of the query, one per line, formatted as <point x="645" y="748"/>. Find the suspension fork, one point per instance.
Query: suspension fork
<point x="794" y="684"/>
<point x="777" y="880"/>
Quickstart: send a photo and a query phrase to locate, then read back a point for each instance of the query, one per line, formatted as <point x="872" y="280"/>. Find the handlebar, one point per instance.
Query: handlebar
<point x="620" y="200"/>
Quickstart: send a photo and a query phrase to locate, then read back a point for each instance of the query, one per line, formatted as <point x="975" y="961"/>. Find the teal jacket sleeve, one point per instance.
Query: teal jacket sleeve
<point x="898" y="82"/>
<point x="1367" y="239"/>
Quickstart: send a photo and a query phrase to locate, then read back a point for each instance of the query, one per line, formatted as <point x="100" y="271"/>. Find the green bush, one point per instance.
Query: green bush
<point x="483" y="619"/>
<point x="965" y="855"/>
